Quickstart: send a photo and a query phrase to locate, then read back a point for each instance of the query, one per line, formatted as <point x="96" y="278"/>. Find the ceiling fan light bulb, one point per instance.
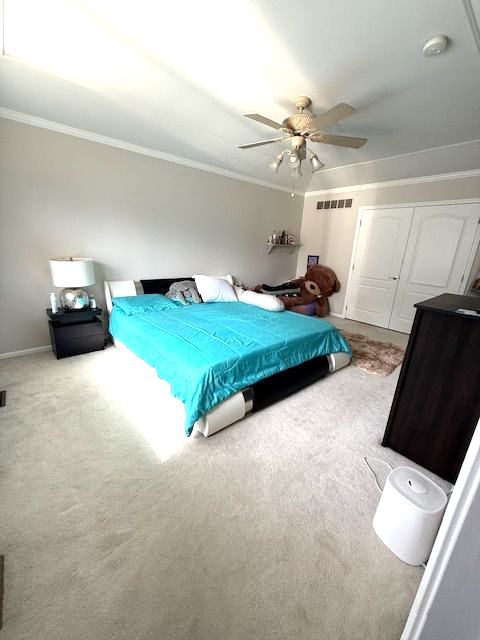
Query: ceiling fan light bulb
<point x="294" y="160"/>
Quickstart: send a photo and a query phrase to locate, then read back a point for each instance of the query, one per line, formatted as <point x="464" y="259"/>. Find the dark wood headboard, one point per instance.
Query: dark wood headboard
<point x="160" y="285"/>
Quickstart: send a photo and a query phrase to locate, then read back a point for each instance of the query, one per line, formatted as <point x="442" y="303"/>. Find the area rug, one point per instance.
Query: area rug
<point x="379" y="358"/>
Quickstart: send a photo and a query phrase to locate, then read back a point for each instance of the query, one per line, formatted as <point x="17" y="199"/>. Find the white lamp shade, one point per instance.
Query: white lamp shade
<point x="72" y="272"/>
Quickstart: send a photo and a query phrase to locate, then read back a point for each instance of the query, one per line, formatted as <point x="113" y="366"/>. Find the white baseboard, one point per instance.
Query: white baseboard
<point x="337" y="315"/>
<point x="24" y="352"/>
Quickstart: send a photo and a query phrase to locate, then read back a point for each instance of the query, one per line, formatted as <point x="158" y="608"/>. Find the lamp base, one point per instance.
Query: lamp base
<point x="74" y="299"/>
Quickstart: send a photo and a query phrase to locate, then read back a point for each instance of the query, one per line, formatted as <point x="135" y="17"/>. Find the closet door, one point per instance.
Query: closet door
<point x="436" y="257"/>
<point x="378" y="260"/>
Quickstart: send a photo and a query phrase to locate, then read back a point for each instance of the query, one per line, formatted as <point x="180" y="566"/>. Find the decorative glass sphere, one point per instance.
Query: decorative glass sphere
<point x="74" y="299"/>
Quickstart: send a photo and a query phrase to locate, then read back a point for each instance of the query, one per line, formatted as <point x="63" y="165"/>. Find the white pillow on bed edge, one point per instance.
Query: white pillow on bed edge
<point x="228" y="277"/>
<point x="215" y="289"/>
<point x="269" y="303"/>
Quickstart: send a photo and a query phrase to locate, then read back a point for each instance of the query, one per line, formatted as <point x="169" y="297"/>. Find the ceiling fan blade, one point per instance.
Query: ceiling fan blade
<point x="260" y="142"/>
<point x="336" y="114"/>
<point x="270" y="123"/>
<point x="339" y="141"/>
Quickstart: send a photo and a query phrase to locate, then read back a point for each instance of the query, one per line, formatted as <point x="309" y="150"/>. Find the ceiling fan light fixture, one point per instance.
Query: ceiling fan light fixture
<point x="296" y="172"/>
<point x="275" y="164"/>
<point x="294" y="160"/>
<point x="315" y="162"/>
<point x="304" y="126"/>
<point x="297" y="142"/>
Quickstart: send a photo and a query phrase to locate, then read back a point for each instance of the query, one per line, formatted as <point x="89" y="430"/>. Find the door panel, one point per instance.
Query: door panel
<point x="405" y="311"/>
<point x="436" y="256"/>
<point x="378" y="259"/>
<point x="431" y="267"/>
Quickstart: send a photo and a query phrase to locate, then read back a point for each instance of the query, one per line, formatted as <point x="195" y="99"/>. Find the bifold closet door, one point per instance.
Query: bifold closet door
<point x="439" y="245"/>
<point x="381" y="245"/>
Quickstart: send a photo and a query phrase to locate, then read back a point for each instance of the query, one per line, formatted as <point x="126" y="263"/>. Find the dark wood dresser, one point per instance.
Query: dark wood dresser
<point x="436" y="405"/>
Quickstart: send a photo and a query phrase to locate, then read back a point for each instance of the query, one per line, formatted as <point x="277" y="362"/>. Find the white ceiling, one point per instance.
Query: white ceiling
<point x="176" y="77"/>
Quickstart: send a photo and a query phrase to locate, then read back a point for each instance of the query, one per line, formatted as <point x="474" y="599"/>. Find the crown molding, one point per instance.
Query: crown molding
<point x="472" y="21"/>
<point x="401" y="155"/>
<point x="397" y="183"/>
<point x="58" y="127"/>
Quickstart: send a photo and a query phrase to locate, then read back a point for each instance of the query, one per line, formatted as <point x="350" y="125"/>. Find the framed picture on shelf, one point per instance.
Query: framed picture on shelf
<point x="290" y="239"/>
<point x="311" y="260"/>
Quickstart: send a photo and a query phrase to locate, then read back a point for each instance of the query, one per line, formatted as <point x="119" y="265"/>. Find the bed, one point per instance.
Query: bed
<point x="223" y="360"/>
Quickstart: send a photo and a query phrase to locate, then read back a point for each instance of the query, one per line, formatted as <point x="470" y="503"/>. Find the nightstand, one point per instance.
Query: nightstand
<point x="76" y="332"/>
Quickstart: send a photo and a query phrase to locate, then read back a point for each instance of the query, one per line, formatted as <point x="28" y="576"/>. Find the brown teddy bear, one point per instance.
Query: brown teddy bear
<point x="318" y="284"/>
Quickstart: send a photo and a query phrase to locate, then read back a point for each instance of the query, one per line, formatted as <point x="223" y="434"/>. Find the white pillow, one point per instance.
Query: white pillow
<point x="269" y="303"/>
<point x="227" y="277"/>
<point x="215" y="289"/>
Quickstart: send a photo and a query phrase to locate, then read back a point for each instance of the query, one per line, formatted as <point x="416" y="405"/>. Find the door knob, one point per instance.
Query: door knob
<point x="393" y="277"/>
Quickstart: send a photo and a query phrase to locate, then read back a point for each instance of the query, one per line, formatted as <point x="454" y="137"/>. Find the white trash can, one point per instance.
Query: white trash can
<point x="409" y="514"/>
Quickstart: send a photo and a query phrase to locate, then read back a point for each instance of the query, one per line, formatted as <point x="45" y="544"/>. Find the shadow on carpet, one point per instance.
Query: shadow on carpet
<point x="379" y="358"/>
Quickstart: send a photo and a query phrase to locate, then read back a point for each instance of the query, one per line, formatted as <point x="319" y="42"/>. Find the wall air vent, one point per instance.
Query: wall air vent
<point x="334" y="204"/>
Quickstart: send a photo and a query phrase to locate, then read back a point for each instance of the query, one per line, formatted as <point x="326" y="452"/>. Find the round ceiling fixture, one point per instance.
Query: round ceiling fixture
<point x="435" y="46"/>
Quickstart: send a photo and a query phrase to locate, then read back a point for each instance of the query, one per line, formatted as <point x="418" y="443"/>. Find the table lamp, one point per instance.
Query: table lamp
<point x="72" y="274"/>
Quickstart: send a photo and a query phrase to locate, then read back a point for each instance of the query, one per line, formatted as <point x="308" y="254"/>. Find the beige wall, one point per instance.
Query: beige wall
<point x="136" y="216"/>
<point x="330" y="235"/>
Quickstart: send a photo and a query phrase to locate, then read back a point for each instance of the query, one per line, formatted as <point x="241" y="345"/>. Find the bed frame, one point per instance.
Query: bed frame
<point x="254" y="398"/>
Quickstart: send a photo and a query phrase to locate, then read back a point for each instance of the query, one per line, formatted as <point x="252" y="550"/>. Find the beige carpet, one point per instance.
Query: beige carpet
<point x="374" y="356"/>
<point x="262" y="531"/>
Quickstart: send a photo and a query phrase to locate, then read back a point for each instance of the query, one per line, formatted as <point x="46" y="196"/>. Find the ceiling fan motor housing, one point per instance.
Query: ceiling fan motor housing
<point x="298" y="121"/>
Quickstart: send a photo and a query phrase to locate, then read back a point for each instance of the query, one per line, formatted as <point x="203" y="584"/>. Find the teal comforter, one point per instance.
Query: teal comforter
<point x="209" y="352"/>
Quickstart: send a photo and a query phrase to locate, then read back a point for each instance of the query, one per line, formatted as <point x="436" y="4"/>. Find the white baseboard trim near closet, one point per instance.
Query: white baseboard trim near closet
<point x="24" y="352"/>
<point x="337" y="315"/>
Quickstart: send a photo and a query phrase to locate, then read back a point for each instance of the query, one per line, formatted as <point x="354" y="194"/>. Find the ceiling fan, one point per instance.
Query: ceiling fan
<point x="303" y="126"/>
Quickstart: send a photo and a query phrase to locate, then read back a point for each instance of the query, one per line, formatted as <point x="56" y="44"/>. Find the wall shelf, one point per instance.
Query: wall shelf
<point x="271" y="246"/>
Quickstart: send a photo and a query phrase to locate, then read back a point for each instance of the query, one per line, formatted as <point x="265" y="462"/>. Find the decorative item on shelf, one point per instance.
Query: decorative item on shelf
<point x="283" y="239"/>
<point x="73" y="274"/>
